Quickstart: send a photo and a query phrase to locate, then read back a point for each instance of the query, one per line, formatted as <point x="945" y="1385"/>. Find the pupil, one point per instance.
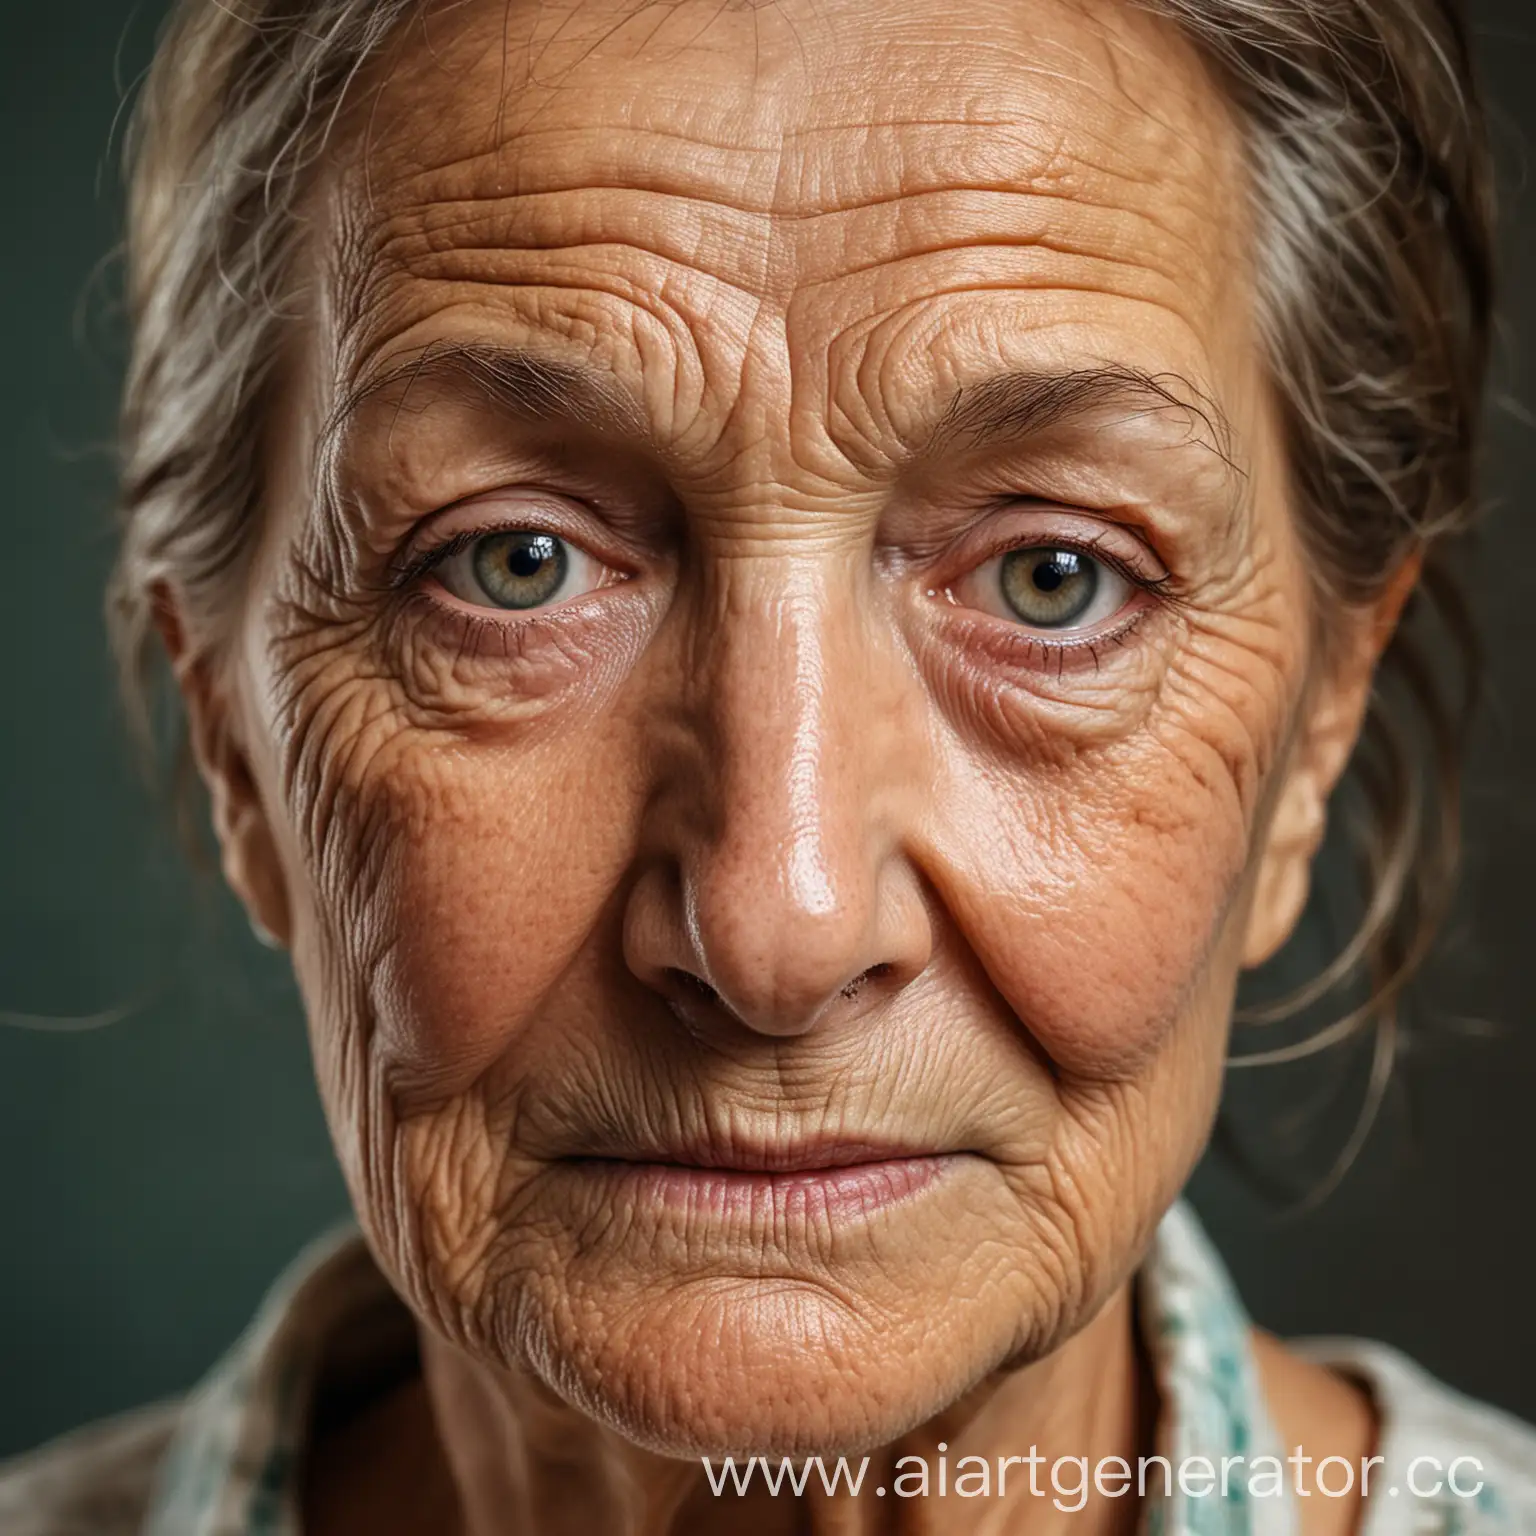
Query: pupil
<point x="1050" y="574"/>
<point x="525" y="559"/>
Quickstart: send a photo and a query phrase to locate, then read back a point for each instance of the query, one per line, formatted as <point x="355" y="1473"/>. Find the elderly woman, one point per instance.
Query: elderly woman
<point x="769" y="599"/>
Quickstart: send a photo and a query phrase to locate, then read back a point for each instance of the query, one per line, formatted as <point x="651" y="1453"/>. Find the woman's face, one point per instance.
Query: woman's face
<point x="770" y="706"/>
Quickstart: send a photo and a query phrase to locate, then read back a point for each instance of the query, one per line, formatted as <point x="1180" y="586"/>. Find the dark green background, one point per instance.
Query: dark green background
<point x="155" y="1173"/>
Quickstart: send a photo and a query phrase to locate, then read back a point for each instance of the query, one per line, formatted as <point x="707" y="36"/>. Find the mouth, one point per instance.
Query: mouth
<point x="813" y="1179"/>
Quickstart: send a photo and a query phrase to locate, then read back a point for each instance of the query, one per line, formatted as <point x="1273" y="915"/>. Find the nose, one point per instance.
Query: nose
<point x="779" y="895"/>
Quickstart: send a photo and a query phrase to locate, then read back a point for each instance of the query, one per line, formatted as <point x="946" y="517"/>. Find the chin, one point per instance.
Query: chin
<point x="731" y="1366"/>
<point x="693" y="1328"/>
<point x="752" y="1368"/>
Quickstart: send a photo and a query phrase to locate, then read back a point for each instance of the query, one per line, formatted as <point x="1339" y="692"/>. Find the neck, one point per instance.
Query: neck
<point x="522" y="1460"/>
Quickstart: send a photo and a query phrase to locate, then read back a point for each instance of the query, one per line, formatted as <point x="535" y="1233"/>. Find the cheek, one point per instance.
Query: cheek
<point x="1096" y="893"/>
<point x="454" y="887"/>
<point x="450" y="882"/>
<point x="499" y="873"/>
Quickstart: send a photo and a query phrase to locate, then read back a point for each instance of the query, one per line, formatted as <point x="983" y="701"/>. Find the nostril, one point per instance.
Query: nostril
<point x="700" y="1005"/>
<point x="689" y="983"/>
<point x="859" y="982"/>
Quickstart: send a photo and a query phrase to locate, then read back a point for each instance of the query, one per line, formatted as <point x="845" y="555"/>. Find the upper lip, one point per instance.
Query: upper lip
<point x="782" y="1157"/>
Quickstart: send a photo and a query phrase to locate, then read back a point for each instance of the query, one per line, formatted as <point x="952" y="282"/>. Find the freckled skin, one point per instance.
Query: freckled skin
<point x="944" y="885"/>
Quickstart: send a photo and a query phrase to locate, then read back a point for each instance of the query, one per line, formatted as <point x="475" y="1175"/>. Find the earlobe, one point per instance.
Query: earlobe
<point x="250" y="861"/>
<point x="247" y="849"/>
<point x="1295" y="833"/>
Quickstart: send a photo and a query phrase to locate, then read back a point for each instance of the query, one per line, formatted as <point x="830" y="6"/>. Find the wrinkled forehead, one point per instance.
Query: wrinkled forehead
<point x="802" y="180"/>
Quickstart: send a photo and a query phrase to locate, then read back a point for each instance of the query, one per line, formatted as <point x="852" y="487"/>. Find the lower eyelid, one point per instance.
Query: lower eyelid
<point x="1035" y="651"/>
<point x="473" y="633"/>
<point x="1011" y="642"/>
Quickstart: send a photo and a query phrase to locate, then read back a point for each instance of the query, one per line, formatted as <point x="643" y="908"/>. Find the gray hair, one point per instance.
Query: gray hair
<point x="1370" y="180"/>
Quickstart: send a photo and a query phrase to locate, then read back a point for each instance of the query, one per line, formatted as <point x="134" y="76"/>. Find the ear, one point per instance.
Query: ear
<point x="1332" y="714"/>
<point x="247" y="849"/>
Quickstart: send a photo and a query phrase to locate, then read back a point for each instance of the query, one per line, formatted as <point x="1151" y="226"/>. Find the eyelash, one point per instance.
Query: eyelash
<point x="403" y="575"/>
<point x="1094" y="548"/>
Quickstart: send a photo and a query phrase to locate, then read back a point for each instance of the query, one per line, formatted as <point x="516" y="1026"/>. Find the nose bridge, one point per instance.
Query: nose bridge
<point x="772" y="712"/>
<point x="782" y="879"/>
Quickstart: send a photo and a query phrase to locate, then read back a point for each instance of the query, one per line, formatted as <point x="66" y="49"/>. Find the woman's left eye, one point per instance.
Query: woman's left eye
<point x="518" y="570"/>
<point x="1046" y="588"/>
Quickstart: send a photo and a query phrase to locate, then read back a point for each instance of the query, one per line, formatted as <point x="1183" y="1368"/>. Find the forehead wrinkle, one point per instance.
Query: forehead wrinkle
<point x="603" y="166"/>
<point x="1036" y="156"/>
<point x="1059" y="265"/>
<point x="543" y="149"/>
<point x="538" y="221"/>
<point x="763" y="260"/>
<point x="992" y="90"/>
<point x="722" y="228"/>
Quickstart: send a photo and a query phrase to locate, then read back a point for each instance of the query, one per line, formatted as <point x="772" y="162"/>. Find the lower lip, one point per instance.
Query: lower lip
<point x="749" y="1196"/>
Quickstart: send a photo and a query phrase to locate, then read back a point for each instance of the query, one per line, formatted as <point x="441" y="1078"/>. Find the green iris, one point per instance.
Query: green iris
<point x="520" y="569"/>
<point x="1048" y="587"/>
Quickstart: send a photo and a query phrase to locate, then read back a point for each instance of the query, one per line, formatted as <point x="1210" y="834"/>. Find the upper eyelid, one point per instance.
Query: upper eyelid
<point x="407" y="564"/>
<point x="997" y="529"/>
<point x="607" y="519"/>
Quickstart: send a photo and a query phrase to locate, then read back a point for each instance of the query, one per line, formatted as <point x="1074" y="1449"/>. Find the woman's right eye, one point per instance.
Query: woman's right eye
<point x="519" y="570"/>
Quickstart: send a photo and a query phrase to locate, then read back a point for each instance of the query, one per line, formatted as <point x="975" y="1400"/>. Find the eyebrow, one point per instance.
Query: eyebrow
<point x="523" y="384"/>
<point x="1008" y="407"/>
<point x="1019" y="404"/>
